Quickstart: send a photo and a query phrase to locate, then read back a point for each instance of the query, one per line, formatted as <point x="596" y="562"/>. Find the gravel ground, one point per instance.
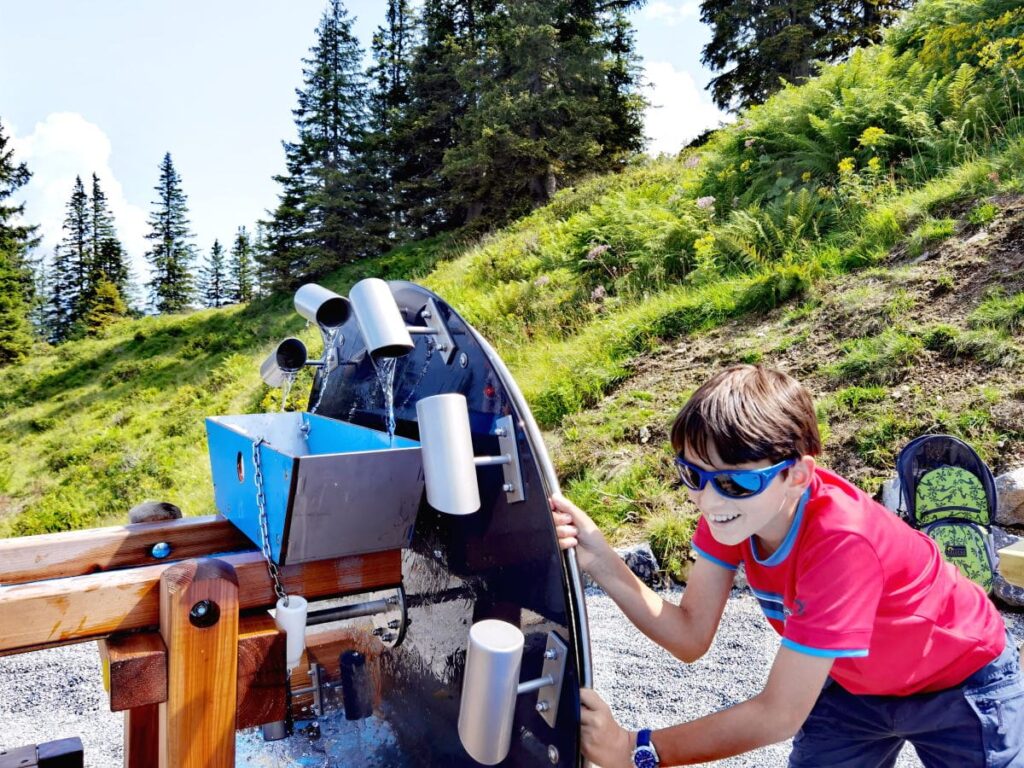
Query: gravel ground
<point x="58" y="693"/>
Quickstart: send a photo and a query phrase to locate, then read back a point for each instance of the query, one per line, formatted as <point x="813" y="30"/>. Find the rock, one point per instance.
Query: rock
<point x="740" y="579"/>
<point x="641" y="561"/>
<point x="1010" y="494"/>
<point x="889" y="495"/>
<point x="153" y="511"/>
<point x="1004" y="590"/>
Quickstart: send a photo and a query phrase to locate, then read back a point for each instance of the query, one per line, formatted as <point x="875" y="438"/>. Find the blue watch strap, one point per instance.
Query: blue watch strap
<point x="643" y="737"/>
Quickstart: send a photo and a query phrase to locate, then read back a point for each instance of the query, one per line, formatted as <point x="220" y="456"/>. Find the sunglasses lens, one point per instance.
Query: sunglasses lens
<point x="689" y="477"/>
<point x="739" y="484"/>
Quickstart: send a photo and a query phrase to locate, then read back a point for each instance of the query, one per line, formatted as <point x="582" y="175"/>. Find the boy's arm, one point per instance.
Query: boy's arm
<point x="773" y="715"/>
<point x="685" y="630"/>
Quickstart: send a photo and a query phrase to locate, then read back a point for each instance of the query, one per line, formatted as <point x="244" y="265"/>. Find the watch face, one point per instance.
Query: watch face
<point x="643" y="757"/>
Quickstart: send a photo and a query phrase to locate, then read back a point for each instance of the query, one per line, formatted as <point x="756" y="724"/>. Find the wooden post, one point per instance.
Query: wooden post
<point x="142" y="736"/>
<point x="199" y="625"/>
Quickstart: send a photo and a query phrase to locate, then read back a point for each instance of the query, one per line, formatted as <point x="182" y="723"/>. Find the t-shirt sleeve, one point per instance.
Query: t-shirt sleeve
<point x="705" y="546"/>
<point x="838" y="588"/>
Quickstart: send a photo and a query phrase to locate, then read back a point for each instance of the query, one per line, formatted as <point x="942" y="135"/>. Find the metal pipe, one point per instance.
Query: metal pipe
<point x="446" y="446"/>
<point x="534" y="685"/>
<point x="321" y="306"/>
<point x="379" y="319"/>
<point x="342" y="612"/>
<point x="492" y="461"/>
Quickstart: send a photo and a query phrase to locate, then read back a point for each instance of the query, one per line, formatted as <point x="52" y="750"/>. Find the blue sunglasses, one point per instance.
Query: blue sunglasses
<point x="731" y="483"/>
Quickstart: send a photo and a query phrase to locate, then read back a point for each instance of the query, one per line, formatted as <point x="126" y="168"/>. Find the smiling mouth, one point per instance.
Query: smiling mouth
<point x="722" y="519"/>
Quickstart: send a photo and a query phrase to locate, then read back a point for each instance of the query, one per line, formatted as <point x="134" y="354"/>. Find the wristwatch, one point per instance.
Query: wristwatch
<point x="645" y="755"/>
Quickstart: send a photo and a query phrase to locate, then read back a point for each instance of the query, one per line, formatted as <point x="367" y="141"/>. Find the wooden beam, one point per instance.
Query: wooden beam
<point x="1011" y="563"/>
<point x="262" y="674"/>
<point x="80" y="608"/>
<point x="199" y="625"/>
<point x="76" y="553"/>
<point x="134" y="669"/>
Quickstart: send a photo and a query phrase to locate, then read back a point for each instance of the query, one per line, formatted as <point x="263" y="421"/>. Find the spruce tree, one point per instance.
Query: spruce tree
<point x="757" y="45"/>
<point x="106" y="252"/>
<point x="546" y="112"/>
<point x="106" y="307"/>
<point x="424" y="129"/>
<point x="240" y="269"/>
<point x="16" y="239"/>
<point x="326" y="215"/>
<point x="213" y="278"/>
<point x="389" y="99"/>
<point x="71" y="269"/>
<point x="172" y="286"/>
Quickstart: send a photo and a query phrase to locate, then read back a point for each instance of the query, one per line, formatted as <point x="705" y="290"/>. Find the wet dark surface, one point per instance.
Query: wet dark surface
<point x="500" y="562"/>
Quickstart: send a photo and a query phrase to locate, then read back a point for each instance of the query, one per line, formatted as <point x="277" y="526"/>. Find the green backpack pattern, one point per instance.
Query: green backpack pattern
<point x="950" y="495"/>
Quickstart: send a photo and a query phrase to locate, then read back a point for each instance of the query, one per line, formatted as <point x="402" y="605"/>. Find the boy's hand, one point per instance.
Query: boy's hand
<point x="603" y="740"/>
<point x="575" y="529"/>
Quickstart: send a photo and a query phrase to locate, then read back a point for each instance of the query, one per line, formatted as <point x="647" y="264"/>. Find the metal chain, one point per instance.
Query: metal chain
<point x="261" y="502"/>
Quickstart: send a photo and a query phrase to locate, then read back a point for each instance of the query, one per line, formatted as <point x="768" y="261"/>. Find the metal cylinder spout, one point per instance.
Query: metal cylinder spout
<point x="322" y="306"/>
<point x="379" y="319"/>
<point x="284" y="362"/>
<point x="489" y="689"/>
<point x="446" y="446"/>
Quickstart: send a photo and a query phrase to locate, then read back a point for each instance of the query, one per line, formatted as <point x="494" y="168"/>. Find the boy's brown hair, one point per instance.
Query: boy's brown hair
<point x="748" y="413"/>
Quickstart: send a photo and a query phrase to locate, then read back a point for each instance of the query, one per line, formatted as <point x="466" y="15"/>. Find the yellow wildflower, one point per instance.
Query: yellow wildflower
<point x="745" y="166"/>
<point x="847" y="165"/>
<point x="806" y="176"/>
<point x="872" y="137"/>
<point x="875" y="164"/>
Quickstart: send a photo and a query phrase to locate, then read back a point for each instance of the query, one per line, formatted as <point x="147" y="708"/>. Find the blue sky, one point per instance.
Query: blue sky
<point x="109" y="86"/>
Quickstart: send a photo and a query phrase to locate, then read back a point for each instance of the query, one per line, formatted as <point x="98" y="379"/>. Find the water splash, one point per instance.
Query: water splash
<point x="329" y="340"/>
<point x="286" y="389"/>
<point x="431" y="346"/>
<point x="385" y="368"/>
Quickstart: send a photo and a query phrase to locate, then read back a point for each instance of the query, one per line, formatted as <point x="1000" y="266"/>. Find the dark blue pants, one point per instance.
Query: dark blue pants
<point x="979" y="723"/>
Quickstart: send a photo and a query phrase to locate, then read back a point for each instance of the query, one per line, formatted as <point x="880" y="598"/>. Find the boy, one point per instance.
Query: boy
<point x="882" y="641"/>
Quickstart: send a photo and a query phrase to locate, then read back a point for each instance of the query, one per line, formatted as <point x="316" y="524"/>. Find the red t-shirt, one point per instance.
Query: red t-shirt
<point x="854" y="582"/>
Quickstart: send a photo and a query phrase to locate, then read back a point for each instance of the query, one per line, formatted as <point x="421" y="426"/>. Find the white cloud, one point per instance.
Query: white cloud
<point x="61" y="147"/>
<point x="679" y="111"/>
<point x="672" y="14"/>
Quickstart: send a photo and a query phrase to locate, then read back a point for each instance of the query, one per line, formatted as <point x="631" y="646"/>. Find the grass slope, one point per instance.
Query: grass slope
<point x="815" y="233"/>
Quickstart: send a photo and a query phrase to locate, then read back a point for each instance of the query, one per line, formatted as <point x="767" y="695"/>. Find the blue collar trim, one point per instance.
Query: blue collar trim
<point x="787" y="543"/>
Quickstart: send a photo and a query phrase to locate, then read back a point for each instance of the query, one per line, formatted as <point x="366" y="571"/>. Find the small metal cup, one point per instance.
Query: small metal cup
<point x="321" y="306"/>
<point x="283" y="362"/>
<point x="489" y="689"/>
<point x="446" y="446"/>
<point x="379" y="319"/>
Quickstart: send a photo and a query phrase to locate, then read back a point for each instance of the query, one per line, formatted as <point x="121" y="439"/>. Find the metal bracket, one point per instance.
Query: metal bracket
<point x="445" y="344"/>
<point x="505" y="429"/>
<point x="548" y="697"/>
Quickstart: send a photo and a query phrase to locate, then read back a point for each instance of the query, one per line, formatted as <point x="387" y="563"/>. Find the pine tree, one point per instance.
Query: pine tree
<point x="546" y="112"/>
<point x="765" y="42"/>
<point x="389" y="99"/>
<point x="241" y="289"/>
<point x="106" y="307"/>
<point x="425" y="129"/>
<point x="71" y="269"/>
<point x="16" y="239"/>
<point x="106" y="252"/>
<point x="213" y="278"/>
<point x="326" y="215"/>
<point x="172" y="286"/>
<point x="59" y="296"/>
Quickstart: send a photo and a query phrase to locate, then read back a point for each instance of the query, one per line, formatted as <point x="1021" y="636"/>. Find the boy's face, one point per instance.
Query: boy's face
<point x="766" y="515"/>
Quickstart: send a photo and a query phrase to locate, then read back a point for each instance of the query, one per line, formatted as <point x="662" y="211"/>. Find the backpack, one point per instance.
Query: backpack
<point x="949" y="493"/>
